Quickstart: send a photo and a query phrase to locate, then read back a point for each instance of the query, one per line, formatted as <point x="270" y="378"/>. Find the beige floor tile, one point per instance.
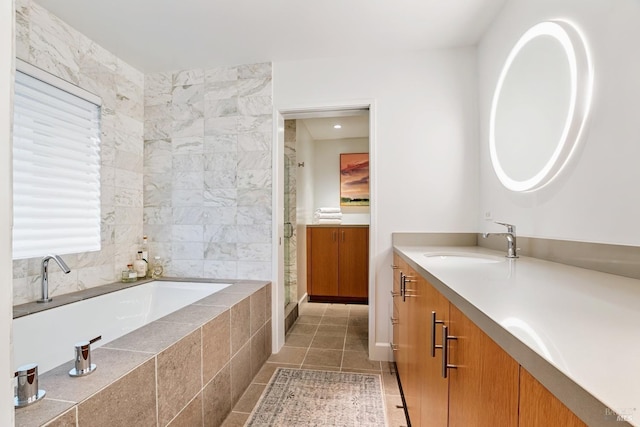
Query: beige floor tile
<point x="309" y="320"/>
<point x="235" y="419"/>
<point x="328" y="342"/>
<point x="357" y="309"/>
<point x="329" y="320"/>
<point x="359" y="360"/>
<point x="355" y="343"/>
<point x="358" y="332"/>
<point x="298" y="340"/>
<point x="390" y="383"/>
<point x="395" y="415"/>
<point x="361" y="371"/>
<point x="266" y="372"/>
<point x="321" y="357"/>
<point x="321" y="368"/>
<point x="331" y="330"/>
<point x="312" y="309"/>
<point x="292" y="355"/>
<point x="337" y="311"/>
<point x="302" y="328"/>
<point x="249" y="398"/>
<point x="359" y="322"/>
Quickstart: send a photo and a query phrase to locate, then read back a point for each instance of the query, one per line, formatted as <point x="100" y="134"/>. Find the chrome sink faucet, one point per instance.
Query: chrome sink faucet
<point x="45" y="274"/>
<point x="511" y="238"/>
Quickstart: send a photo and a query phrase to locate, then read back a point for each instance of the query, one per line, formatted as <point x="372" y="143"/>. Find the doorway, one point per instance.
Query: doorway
<point x="306" y="139"/>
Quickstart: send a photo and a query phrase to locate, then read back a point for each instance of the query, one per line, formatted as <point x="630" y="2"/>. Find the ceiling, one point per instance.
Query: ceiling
<point x="164" y="35"/>
<point x="352" y="127"/>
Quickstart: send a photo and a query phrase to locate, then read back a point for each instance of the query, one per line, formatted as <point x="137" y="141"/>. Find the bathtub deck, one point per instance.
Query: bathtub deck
<point x="187" y="367"/>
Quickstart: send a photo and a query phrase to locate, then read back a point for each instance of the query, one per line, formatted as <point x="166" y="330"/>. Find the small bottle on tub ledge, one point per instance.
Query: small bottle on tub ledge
<point x="140" y="266"/>
<point x="157" y="268"/>
<point x="129" y="275"/>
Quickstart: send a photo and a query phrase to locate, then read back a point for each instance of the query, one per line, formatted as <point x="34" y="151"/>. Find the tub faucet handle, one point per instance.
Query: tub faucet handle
<point x="83" y="358"/>
<point x="27" y="390"/>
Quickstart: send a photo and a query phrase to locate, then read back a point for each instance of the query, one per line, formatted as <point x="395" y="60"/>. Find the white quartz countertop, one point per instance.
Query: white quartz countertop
<point x="584" y="323"/>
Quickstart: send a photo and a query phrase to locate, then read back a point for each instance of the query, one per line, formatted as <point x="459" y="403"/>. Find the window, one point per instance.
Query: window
<point x="56" y="166"/>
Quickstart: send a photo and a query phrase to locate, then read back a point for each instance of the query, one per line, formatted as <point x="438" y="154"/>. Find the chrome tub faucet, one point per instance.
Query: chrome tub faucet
<point x="511" y="239"/>
<point x="45" y="274"/>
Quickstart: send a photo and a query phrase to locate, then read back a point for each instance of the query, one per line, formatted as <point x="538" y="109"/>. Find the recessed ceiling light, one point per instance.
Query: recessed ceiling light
<point x="337" y="126"/>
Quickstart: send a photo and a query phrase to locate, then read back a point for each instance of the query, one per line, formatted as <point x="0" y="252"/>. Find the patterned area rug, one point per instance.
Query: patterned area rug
<point x="300" y="397"/>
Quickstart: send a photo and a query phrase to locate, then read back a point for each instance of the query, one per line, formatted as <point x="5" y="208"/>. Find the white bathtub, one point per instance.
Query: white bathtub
<point x="48" y="337"/>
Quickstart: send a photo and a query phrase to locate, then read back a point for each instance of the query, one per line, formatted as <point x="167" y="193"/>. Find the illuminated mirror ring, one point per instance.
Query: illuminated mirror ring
<point x="564" y="38"/>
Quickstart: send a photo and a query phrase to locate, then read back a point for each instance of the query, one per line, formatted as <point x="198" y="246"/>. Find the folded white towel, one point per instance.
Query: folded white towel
<point x="328" y="215"/>
<point x="328" y="210"/>
<point x="329" y="221"/>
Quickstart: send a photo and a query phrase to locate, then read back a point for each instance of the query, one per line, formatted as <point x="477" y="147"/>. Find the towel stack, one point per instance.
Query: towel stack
<point x="327" y="216"/>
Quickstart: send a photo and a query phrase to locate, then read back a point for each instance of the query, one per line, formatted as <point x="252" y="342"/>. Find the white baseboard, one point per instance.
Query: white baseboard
<point x="303" y="299"/>
<point x="381" y="351"/>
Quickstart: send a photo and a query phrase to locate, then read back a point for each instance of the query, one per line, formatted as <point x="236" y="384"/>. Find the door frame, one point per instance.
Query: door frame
<point x="280" y="113"/>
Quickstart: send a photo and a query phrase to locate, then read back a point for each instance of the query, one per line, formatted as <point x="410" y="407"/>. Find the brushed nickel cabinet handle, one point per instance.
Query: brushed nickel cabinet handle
<point x="434" y="322"/>
<point x="445" y="351"/>
<point x="403" y="286"/>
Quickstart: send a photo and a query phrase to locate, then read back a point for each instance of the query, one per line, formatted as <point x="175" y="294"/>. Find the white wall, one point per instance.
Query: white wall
<point x="6" y="292"/>
<point x="326" y="176"/>
<point x="424" y="152"/>
<point x="595" y="198"/>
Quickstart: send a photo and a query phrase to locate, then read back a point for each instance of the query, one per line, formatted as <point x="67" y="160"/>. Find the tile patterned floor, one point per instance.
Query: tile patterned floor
<point x="330" y="337"/>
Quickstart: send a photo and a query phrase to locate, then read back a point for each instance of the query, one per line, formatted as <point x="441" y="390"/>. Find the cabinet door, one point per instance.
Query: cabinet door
<point x="353" y="262"/>
<point x="540" y="408"/>
<point x="483" y="390"/>
<point x="395" y="317"/>
<point x="416" y="346"/>
<point x="434" y="387"/>
<point x="322" y="261"/>
<point x="402" y="354"/>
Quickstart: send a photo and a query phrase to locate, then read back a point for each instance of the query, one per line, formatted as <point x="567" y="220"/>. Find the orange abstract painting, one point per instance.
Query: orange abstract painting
<point x="354" y="179"/>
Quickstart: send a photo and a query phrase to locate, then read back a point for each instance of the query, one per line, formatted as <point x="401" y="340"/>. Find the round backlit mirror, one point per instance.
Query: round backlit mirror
<point x="539" y="106"/>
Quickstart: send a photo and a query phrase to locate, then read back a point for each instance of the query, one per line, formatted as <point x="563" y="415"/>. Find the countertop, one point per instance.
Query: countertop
<point x="336" y="225"/>
<point x="575" y="330"/>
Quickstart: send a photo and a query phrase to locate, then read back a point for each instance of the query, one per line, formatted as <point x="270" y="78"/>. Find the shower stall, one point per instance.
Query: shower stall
<point x="290" y="223"/>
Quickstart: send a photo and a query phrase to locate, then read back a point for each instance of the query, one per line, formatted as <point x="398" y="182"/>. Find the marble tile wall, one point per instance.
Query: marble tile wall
<point x="207" y="171"/>
<point x="48" y="43"/>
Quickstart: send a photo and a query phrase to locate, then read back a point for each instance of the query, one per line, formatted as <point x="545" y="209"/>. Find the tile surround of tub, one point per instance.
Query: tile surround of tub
<point x="145" y="378"/>
<point x="47" y="42"/>
<point x="207" y="170"/>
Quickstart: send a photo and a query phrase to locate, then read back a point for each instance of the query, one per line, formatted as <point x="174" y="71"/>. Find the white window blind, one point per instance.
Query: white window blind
<point x="56" y="167"/>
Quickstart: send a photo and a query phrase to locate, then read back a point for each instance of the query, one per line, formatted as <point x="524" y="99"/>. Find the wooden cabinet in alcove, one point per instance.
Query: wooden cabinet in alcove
<point x="338" y="263"/>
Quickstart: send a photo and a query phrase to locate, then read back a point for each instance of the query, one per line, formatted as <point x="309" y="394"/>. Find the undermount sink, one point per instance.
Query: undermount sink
<point x="462" y="258"/>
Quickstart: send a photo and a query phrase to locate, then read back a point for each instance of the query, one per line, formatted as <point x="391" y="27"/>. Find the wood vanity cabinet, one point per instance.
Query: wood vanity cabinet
<point x="424" y="389"/>
<point x="338" y="263"/>
<point x="481" y="391"/>
<point x="539" y="408"/>
<point x="487" y="387"/>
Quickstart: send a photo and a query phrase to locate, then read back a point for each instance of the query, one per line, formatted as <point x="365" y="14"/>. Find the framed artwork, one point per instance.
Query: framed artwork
<point x="354" y="179"/>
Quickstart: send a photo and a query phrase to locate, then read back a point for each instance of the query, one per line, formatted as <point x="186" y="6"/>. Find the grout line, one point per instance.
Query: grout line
<point x="344" y="341"/>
